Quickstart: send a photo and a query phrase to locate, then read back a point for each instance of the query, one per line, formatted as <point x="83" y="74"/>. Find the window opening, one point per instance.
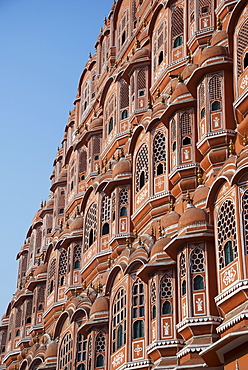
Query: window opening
<point x="184" y="287"/>
<point x="198" y="282"/>
<point x="166" y="308"/>
<point x="215" y="106"/>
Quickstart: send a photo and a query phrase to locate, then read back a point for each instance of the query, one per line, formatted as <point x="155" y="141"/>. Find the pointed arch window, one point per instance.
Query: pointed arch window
<point x="100" y="350"/>
<point x="65" y="353"/>
<point x="119" y="320"/>
<point x="159" y="153"/>
<point x="63" y="260"/>
<point x="142" y="167"/>
<point x="90" y="226"/>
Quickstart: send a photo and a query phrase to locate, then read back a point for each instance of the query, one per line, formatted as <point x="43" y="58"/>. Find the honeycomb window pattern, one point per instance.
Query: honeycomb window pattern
<point x="65" y="353"/>
<point x="215" y="87"/>
<point x="153" y="291"/>
<point x="90" y="226"/>
<point x="159" y="151"/>
<point x="182" y="265"/>
<point x="242" y="45"/>
<point x="123" y="197"/>
<point x="106" y="205"/>
<point x="197" y="260"/>
<point x="245" y="217"/>
<point x="63" y="263"/>
<point x="142" y="165"/>
<point x="51" y="274"/>
<point x="77" y="253"/>
<point x="166" y="287"/>
<point x="100" y="343"/>
<point x="226" y="230"/>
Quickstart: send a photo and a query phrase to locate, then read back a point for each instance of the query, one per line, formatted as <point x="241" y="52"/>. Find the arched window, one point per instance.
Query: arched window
<point x="111" y="125"/>
<point x="160" y="57"/>
<point x="65" y="353"/>
<point x="40" y="307"/>
<point x="203" y="113"/>
<point x="124" y="114"/>
<point x="90" y="226"/>
<point x="177" y="25"/>
<point x="226" y="230"/>
<point x="178" y="42"/>
<point x="138" y="329"/>
<point x="242" y="41"/>
<point x="28" y="321"/>
<point x="119" y="320"/>
<point x="183" y="287"/>
<point x="81" y="352"/>
<point x="142" y="167"/>
<point x="186" y="140"/>
<point x="159" y="152"/>
<point x="63" y="259"/>
<point x="51" y="276"/>
<point x="245" y="61"/>
<point x="154" y="312"/>
<point x="77" y="256"/>
<point x="166" y="308"/>
<point x="228" y="253"/>
<point x="142" y="180"/>
<point x="174" y="146"/>
<point x="215" y="106"/>
<point x="105" y="229"/>
<point x="100" y="361"/>
<point x="100" y="349"/>
<point x="123" y="211"/>
<point x="120" y="340"/>
<point x="198" y="282"/>
<point x="18" y="333"/>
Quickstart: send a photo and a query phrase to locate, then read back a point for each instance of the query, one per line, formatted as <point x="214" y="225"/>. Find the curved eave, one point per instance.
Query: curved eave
<point x="111" y="185"/>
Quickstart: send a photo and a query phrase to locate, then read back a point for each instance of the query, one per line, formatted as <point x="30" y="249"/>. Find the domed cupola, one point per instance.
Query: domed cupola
<point x="157" y="251"/>
<point x="51" y="350"/>
<point x="100" y="308"/>
<point x="122" y="168"/>
<point x="170" y="221"/>
<point x="193" y="219"/>
<point x="200" y="196"/>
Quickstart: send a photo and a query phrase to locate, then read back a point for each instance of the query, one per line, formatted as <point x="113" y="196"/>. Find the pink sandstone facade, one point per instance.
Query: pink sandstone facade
<point x="139" y="259"/>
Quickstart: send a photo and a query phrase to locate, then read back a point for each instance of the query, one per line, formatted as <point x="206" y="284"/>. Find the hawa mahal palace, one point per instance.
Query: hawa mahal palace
<point x="139" y="259"/>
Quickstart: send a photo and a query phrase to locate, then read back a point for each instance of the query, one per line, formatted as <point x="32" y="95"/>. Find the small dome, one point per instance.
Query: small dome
<point x="218" y="36"/>
<point x="172" y="218"/>
<point x="40" y="269"/>
<point x="188" y="70"/>
<point x="77" y="223"/>
<point x="51" y="350"/>
<point x="95" y="123"/>
<point x="213" y="51"/>
<point x="181" y="89"/>
<point x="122" y="167"/>
<point x="200" y="194"/>
<point x="159" y="245"/>
<point x="101" y="304"/>
<point x="140" y="54"/>
<point x="192" y="215"/>
<point x="242" y="156"/>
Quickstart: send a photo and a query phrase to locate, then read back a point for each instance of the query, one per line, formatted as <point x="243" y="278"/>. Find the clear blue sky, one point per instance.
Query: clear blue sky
<point x="44" y="45"/>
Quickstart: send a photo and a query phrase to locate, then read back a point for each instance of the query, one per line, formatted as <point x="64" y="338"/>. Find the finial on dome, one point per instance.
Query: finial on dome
<point x="159" y="230"/>
<point x="99" y="288"/>
<point x="105" y="20"/>
<point x="172" y="205"/>
<point x="179" y="78"/>
<point x="199" y="176"/>
<point x="84" y="285"/>
<point x="245" y="140"/>
<point x="188" y="199"/>
<point x="152" y="231"/>
<point x="158" y="93"/>
<point x="218" y="24"/>
<point x="109" y="262"/>
<point x="231" y="147"/>
<point x="137" y="44"/>
<point x="149" y="105"/>
<point x="171" y="91"/>
<point x="127" y="242"/>
<point x="189" y="57"/>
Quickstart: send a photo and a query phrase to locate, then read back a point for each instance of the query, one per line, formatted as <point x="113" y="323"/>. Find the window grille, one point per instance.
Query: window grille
<point x="177" y="22"/>
<point x="245" y="217"/>
<point x="153" y="292"/>
<point x="62" y="266"/>
<point x="51" y="276"/>
<point x="90" y="226"/>
<point x="65" y="353"/>
<point x="204" y="7"/>
<point x="119" y="320"/>
<point x="242" y="42"/>
<point x="197" y="260"/>
<point x="77" y="256"/>
<point x="142" y="166"/>
<point x="141" y="79"/>
<point x="159" y="152"/>
<point x="226" y="230"/>
<point x="106" y="204"/>
<point x="96" y="146"/>
<point x="173" y="130"/>
<point x="81" y="352"/>
<point x="215" y="89"/>
<point x="186" y="126"/>
<point x="201" y="95"/>
<point x="166" y="287"/>
<point x="123" y="197"/>
<point x="182" y="265"/>
<point x="100" y="349"/>
<point x="138" y="309"/>
<point x="124" y="95"/>
<point x="18" y="318"/>
<point x="82" y="161"/>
